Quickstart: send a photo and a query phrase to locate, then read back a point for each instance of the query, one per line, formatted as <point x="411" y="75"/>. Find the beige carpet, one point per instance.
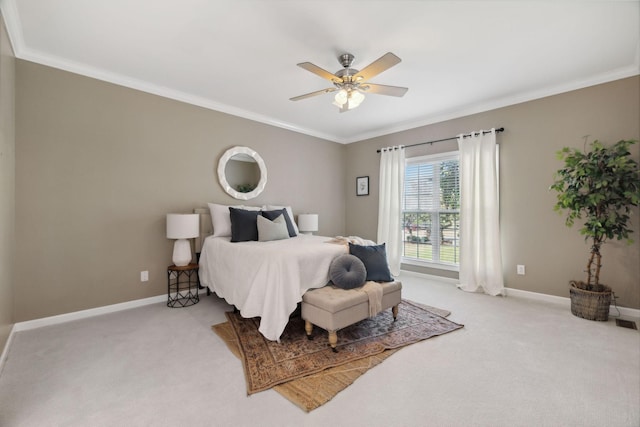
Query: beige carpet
<point x="307" y="372"/>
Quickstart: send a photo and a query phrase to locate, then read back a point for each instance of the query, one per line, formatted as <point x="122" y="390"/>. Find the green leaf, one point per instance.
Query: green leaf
<point x="600" y="184"/>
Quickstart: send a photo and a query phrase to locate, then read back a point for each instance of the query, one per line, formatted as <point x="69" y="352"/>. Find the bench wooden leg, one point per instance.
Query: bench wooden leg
<point x="308" y="328"/>
<point x="394" y="310"/>
<point x="333" y="340"/>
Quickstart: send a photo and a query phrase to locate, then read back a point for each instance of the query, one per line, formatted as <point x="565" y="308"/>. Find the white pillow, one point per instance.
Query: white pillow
<point x="272" y="230"/>
<point x="289" y="212"/>
<point x="221" y="220"/>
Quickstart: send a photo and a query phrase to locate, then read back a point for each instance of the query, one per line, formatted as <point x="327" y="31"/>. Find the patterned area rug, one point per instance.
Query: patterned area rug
<point x="306" y="371"/>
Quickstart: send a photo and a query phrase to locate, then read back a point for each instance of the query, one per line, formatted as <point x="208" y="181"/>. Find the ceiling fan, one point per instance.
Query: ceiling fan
<point x="352" y="84"/>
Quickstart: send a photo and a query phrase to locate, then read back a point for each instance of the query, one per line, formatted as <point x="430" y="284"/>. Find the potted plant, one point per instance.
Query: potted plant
<point x="600" y="184"/>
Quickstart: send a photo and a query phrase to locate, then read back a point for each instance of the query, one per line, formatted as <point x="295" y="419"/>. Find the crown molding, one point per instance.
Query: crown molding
<point x="121" y="80"/>
<point x="14" y="28"/>
<point x="463" y="111"/>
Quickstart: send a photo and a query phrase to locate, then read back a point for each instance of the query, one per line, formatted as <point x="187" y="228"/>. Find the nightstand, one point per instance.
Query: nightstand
<point x="182" y="285"/>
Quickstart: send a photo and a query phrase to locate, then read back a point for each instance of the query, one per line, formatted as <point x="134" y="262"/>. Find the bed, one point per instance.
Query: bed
<point x="264" y="279"/>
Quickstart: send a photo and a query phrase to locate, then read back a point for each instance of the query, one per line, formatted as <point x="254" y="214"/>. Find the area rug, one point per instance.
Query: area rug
<point x="307" y="372"/>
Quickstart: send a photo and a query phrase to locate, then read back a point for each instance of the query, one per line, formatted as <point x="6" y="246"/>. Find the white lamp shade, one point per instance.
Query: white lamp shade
<point x="307" y="223"/>
<point x="182" y="227"/>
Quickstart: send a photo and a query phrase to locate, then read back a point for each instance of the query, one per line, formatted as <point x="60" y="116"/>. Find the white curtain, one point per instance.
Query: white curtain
<point x="390" y="204"/>
<point x="480" y="252"/>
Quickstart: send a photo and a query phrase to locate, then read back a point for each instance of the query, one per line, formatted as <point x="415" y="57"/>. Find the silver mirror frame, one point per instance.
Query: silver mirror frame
<point x="222" y="178"/>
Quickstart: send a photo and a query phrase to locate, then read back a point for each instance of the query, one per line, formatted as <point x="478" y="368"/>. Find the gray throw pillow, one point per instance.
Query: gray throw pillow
<point x="275" y="213"/>
<point x="272" y="230"/>
<point x="347" y="272"/>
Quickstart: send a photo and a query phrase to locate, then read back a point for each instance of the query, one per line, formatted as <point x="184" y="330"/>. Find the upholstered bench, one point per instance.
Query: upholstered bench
<point x="332" y="308"/>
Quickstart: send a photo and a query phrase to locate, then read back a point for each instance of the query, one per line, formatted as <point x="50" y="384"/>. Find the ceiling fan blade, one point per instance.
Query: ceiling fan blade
<point x="309" y="95"/>
<point x="320" y="72"/>
<point x="383" y="89"/>
<point x="381" y="64"/>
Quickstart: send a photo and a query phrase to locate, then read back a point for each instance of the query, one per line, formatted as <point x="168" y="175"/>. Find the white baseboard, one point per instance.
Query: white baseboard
<point x="429" y="276"/>
<point x="624" y="312"/>
<point x="77" y="315"/>
<point x="83" y="314"/>
<point x="613" y="310"/>
<point x="517" y="293"/>
<point x="5" y="350"/>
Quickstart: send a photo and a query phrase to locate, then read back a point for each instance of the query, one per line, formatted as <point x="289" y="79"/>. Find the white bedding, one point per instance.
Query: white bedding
<point x="267" y="279"/>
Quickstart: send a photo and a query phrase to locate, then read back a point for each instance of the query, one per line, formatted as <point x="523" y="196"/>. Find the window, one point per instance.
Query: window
<point x="431" y="210"/>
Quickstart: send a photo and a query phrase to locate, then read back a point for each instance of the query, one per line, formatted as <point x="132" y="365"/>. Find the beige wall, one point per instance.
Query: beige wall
<point x="98" y="167"/>
<point x="7" y="182"/>
<point x="532" y="233"/>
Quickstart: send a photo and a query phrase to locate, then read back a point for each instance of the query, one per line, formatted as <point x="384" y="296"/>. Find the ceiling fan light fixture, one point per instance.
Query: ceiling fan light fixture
<point x="351" y="83"/>
<point x="355" y="99"/>
<point x="348" y="99"/>
<point x="341" y="98"/>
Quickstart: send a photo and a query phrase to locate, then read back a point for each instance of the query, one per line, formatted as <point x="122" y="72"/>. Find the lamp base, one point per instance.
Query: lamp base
<point x="181" y="252"/>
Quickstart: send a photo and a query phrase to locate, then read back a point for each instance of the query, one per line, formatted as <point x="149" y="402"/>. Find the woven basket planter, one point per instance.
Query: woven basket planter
<point x="590" y="305"/>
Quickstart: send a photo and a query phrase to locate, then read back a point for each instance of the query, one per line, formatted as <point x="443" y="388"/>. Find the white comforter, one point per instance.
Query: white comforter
<point x="267" y="279"/>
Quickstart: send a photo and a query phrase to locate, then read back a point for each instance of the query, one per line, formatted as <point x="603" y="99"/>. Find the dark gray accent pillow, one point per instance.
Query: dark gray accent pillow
<point x="275" y="213"/>
<point x="244" y="225"/>
<point x="374" y="259"/>
<point x="347" y="272"/>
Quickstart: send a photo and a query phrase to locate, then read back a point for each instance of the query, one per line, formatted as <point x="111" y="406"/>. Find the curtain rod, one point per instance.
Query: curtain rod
<point x="447" y="139"/>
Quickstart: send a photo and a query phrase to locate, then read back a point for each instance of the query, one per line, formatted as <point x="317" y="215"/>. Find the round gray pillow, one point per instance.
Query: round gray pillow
<point x="347" y="272"/>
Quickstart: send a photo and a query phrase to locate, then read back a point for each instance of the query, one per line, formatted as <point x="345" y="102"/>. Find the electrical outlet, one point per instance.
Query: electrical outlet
<point x="520" y="269"/>
<point x="144" y="276"/>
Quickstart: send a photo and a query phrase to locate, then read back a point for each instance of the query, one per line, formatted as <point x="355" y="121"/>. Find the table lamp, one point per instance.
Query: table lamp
<point x="182" y="227"/>
<point x="308" y="223"/>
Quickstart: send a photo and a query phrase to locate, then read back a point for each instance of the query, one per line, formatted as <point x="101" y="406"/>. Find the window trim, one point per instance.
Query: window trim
<point x="449" y="155"/>
<point x="431" y="158"/>
<point x="430" y="264"/>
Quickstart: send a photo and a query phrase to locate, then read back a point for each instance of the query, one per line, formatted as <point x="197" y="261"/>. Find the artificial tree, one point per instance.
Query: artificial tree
<point x="601" y="184"/>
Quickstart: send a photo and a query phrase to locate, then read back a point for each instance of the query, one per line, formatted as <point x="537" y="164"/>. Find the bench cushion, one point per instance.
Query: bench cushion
<point x="333" y="299"/>
<point x="333" y="308"/>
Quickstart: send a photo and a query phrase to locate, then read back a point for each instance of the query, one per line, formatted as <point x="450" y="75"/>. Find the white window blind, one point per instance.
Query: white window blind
<point x="431" y="209"/>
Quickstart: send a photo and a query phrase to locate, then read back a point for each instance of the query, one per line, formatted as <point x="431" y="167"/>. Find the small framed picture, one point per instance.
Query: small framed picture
<point x="362" y="186"/>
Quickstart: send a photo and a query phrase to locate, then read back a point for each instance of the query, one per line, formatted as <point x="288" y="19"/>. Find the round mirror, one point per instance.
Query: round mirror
<point x="242" y="173"/>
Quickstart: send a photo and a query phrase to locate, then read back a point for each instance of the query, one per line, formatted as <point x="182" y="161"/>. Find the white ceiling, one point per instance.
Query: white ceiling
<point x="240" y="56"/>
